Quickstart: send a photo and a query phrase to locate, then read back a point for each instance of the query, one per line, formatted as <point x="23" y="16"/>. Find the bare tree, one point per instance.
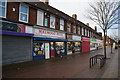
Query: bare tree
<point x="104" y="14"/>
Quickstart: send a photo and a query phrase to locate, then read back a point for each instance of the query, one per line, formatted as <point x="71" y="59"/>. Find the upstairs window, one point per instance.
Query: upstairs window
<point x="68" y="27"/>
<point x="85" y="32"/>
<point x="78" y="30"/>
<point x="52" y="21"/>
<point x="3" y="4"/>
<point x="88" y="33"/>
<point x="40" y="17"/>
<point x="74" y="29"/>
<point x="82" y="31"/>
<point x="61" y="24"/>
<point x="23" y="15"/>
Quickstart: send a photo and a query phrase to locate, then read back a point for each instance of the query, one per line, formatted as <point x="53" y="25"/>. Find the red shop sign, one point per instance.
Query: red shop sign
<point x="85" y="39"/>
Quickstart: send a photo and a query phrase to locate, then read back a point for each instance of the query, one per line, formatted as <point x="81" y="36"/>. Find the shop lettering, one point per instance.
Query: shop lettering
<point x="50" y="33"/>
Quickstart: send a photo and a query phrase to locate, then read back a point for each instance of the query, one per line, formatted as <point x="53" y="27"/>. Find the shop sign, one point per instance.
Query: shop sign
<point x="12" y="27"/>
<point x="50" y="34"/>
<point x="93" y="40"/>
<point x="69" y="37"/>
<point x="76" y="37"/>
<point x="99" y="41"/>
<point x="85" y="39"/>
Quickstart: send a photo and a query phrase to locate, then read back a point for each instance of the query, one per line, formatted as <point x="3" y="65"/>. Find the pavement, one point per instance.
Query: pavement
<point x="72" y="66"/>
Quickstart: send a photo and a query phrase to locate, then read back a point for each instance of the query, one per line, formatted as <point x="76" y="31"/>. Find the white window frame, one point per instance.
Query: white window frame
<point x="50" y="21"/>
<point x="78" y="30"/>
<point x="68" y="27"/>
<point x="5" y="9"/>
<point x="82" y="31"/>
<point x="38" y="17"/>
<point x="23" y="13"/>
<point x="61" y="25"/>
<point x="88" y="33"/>
<point x="74" y="29"/>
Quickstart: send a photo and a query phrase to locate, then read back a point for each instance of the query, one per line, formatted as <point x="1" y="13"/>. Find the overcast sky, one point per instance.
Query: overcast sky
<point x="78" y="7"/>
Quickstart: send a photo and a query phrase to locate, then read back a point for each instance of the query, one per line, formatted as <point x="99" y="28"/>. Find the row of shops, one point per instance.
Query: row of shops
<point x="25" y="43"/>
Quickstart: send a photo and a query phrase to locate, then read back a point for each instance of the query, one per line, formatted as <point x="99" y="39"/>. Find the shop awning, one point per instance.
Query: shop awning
<point x="50" y="39"/>
<point x="15" y="33"/>
<point x="74" y="40"/>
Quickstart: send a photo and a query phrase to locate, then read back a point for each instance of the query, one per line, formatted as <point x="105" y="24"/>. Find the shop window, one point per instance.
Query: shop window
<point x="40" y="17"/>
<point x="69" y="47"/>
<point x="39" y="49"/>
<point x="61" y="24"/>
<point x="77" y="46"/>
<point x="52" y="21"/>
<point x="60" y="48"/>
<point x="73" y="47"/>
<point x="3" y="5"/>
<point x="23" y="15"/>
<point x="68" y="27"/>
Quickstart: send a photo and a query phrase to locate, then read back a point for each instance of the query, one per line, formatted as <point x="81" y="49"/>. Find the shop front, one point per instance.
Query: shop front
<point x="73" y="44"/>
<point x="93" y="44"/>
<point x="85" y="44"/>
<point x="49" y="44"/>
<point x="16" y="43"/>
<point x="100" y="43"/>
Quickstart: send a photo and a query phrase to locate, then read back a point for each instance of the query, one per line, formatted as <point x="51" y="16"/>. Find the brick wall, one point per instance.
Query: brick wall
<point x="32" y="15"/>
<point x="57" y="24"/>
<point x="12" y="15"/>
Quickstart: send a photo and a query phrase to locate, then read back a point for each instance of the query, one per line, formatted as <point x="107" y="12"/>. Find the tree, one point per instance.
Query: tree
<point x="104" y="14"/>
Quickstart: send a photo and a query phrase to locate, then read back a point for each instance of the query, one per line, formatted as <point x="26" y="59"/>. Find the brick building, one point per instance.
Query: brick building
<point x="36" y="30"/>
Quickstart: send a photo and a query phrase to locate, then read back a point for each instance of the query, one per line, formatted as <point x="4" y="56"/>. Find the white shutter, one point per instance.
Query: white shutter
<point x="40" y="17"/>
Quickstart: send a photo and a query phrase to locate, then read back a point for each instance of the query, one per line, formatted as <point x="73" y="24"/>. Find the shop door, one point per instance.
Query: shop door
<point x="47" y="51"/>
<point x="52" y="49"/>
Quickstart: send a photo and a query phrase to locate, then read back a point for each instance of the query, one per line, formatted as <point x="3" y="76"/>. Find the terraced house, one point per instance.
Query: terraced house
<point x="36" y="30"/>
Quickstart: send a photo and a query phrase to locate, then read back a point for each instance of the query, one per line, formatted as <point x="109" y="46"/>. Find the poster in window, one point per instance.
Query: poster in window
<point x="45" y="22"/>
<point x="52" y="21"/>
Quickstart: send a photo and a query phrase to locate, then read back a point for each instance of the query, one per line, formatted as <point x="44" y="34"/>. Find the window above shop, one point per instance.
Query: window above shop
<point x="68" y="27"/>
<point x="82" y="31"/>
<point x="61" y="24"/>
<point x="40" y="17"/>
<point x="52" y="21"/>
<point x="23" y="15"/>
<point x="74" y="29"/>
<point x="78" y="30"/>
<point x="3" y="5"/>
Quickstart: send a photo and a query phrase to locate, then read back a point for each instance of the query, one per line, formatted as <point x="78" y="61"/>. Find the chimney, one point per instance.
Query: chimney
<point x="74" y="16"/>
<point x="87" y="24"/>
<point x="45" y="1"/>
<point x="96" y="28"/>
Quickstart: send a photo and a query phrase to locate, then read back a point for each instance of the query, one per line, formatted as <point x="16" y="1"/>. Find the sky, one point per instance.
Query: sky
<point x="80" y="8"/>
